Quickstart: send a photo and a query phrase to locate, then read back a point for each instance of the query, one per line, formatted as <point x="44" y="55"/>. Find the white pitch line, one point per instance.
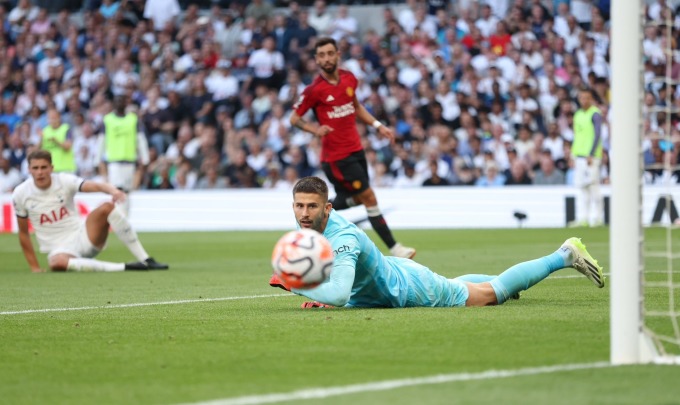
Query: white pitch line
<point x="314" y="393"/>
<point x="143" y="304"/>
<point x="147" y="304"/>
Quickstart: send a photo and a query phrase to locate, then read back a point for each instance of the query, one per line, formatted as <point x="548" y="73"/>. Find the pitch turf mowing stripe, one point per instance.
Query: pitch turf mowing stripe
<point x="314" y="393"/>
<point x="143" y="304"/>
<point x="177" y="302"/>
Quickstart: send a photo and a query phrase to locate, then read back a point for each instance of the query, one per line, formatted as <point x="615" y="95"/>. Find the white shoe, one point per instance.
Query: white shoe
<point x="583" y="262"/>
<point x="400" y="250"/>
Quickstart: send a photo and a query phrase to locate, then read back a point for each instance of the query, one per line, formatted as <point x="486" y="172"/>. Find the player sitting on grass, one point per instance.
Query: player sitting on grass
<point x="363" y="277"/>
<point x="47" y="200"/>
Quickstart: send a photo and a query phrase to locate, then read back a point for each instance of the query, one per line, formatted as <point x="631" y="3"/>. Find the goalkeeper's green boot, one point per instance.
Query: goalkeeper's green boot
<point x="583" y="262"/>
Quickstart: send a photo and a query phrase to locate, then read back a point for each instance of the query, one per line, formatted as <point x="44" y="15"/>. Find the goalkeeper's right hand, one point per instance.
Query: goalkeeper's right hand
<point x="315" y="304"/>
<point x="275" y="281"/>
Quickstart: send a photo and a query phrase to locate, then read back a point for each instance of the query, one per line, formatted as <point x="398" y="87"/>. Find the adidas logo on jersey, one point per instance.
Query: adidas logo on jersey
<point x="330" y="98"/>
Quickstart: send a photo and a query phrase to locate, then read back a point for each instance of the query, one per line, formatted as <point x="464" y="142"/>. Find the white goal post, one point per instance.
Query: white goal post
<point x="630" y="341"/>
<point x="626" y="166"/>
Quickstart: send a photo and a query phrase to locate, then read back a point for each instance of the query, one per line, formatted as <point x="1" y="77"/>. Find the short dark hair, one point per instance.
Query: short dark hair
<point x="40" y="154"/>
<point x="586" y="89"/>
<point x="325" y="41"/>
<point x="311" y="185"/>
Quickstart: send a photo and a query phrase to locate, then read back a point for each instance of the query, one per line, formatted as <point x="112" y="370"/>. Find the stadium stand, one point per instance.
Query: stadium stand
<point x="469" y="87"/>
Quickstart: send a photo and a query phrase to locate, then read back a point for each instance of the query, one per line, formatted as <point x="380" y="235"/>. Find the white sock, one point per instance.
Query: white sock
<point x="79" y="264"/>
<point x="126" y="205"/>
<point x="126" y="234"/>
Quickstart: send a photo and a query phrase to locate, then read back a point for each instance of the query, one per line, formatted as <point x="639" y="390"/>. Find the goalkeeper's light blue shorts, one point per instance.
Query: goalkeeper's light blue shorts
<point x="429" y="289"/>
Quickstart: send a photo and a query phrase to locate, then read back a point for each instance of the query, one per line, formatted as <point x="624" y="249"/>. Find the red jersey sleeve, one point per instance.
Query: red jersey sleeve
<point x="306" y="101"/>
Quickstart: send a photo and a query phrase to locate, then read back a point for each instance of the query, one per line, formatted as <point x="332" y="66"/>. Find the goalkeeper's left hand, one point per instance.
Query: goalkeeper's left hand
<point x="275" y="281"/>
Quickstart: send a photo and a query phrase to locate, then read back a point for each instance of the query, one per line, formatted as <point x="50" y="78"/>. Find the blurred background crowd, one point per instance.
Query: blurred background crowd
<point x="478" y="92"/>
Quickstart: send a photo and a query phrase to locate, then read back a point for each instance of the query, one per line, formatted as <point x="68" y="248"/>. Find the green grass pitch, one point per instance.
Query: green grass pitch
<point x="235" y="336"/>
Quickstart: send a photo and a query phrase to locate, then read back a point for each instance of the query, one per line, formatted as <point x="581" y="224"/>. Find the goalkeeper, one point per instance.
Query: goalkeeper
<point x="363" y="277"/>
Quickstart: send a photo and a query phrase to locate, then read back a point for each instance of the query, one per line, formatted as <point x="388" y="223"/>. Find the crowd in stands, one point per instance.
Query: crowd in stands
<point x="478" y="92"/>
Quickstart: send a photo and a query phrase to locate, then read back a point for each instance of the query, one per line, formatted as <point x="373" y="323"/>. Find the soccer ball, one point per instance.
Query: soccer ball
<point x="302" y="258"/>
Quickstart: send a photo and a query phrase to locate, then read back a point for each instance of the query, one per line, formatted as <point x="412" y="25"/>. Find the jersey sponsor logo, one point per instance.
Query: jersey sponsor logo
<point x="53" y="216"/>
<point x="341" y="111"/>
<point x="330" y="98"/>
<point x="341" y="249"/>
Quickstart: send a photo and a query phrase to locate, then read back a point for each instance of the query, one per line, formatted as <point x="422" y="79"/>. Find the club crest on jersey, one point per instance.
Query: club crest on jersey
<point x="350" y="91"/>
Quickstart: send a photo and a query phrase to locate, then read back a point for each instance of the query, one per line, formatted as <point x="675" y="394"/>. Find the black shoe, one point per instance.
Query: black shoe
<point x="136" y="266"/>
<point x="152" y="264"/>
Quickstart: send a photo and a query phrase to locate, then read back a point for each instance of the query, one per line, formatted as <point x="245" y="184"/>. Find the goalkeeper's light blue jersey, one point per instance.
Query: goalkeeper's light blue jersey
<point x="363" y="277"/>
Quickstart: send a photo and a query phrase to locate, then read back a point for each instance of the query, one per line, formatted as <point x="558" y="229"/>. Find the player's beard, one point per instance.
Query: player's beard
<point x="316" y="222"/>
<point x="330" y="68"/>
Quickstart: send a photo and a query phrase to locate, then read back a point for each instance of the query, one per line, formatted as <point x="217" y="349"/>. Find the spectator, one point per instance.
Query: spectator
<point x="292" y="89"/>
<point x="343" y="25"/>
<point x="407" y="178"/>
<point x="320" y="19"/>
<point x="157" y="120"/>
<point x="547" y="174"/>
<point x="10" y="177"/>
<point x="465" y="71"/>
<point x="518" y="174"/>
<point x="22" y="12"/>
<point x="434" y="179"/>
<point x="161" y="12"/>
<point x="487" y="23"/>
<point x="199" y="103"/>
<point x="109" y="8"/>
<point x="491" y="177"/>
<point x="85" y="150"/>
<point x="212" y="180"/>
<point x="9" y="117"/>
<point x="267" y="64"/>
<point x="260" y="10"/>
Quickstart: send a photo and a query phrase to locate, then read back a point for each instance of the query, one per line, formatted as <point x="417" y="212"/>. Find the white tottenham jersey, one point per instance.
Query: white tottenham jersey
<point x="52" y="212"/>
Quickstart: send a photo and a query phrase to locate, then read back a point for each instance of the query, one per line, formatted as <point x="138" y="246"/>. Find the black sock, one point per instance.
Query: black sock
<point x="380" y="226"/>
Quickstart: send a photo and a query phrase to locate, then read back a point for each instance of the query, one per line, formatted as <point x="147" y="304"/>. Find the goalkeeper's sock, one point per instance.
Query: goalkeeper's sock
<point x="80" y="264"/>
<point x="524" y="275"/>
<point x="121" y="226"/>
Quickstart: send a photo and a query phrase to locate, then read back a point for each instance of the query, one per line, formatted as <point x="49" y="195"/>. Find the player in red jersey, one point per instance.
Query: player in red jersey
<point x="331" y="96"/>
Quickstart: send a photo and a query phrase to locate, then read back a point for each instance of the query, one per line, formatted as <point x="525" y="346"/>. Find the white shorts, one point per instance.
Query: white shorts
<point x="77" y="244"/>
<point x="122" y="174"/>
<point x="585" y="175"/>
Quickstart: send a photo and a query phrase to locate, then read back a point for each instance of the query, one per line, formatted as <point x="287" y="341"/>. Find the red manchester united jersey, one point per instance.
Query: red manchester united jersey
<point x="333" y="105"/>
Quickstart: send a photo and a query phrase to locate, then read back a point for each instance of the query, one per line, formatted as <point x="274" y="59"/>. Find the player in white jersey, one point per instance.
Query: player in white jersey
<point x="363" y="277"/>
<point x="46" y="199"/>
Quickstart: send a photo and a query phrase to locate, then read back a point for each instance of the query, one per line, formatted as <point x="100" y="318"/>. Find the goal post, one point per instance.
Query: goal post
<point x="640" y="332"/>
<point x="626" y="261"/>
